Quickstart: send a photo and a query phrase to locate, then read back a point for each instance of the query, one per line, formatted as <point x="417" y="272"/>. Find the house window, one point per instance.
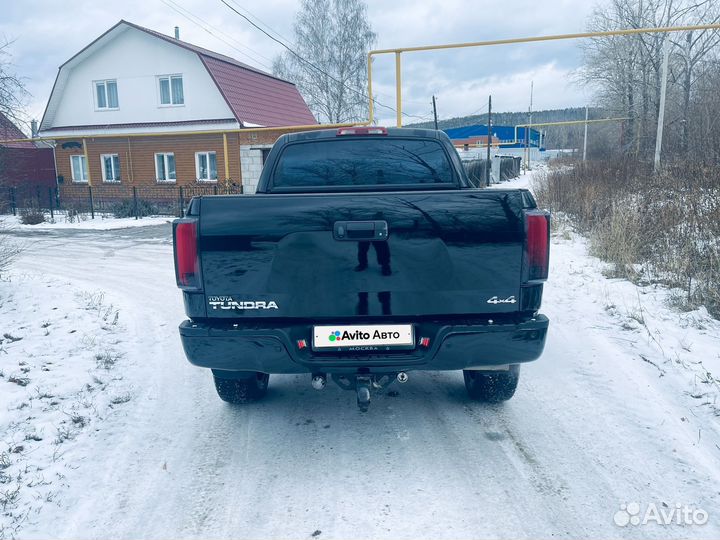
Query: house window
<point x="171" y="90"/>
<point x="206" y="166"/>
<point x="78" y="166"/>
<point x="165" y="167"/>
<point x="110" y="164"/>
<point x="106" y="95"/>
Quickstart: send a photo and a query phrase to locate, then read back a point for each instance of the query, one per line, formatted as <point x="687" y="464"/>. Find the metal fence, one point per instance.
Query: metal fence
<point x="476" y="171"/>
<point x="502" y="168"/>
<point x="117" y="200"/>
<point x="509" y="167"/>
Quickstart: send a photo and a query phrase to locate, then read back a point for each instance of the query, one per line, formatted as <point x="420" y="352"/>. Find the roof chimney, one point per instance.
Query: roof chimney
<point x="33" y="128"/>
<point x="177" y="32"/>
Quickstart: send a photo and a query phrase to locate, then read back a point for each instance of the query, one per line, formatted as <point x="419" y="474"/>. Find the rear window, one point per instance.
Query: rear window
<point x="378" y="161"/>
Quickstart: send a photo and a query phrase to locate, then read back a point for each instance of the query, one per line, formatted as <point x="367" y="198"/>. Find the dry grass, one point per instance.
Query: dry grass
<point x="664" y="228"/>
<point x="9" y="249"/>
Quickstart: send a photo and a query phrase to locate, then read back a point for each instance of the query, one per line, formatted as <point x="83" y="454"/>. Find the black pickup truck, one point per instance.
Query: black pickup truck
<point x="366" y="254"/>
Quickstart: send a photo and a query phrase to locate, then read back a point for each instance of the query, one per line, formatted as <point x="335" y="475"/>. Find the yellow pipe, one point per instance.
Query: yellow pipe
<point x="130" y="164"/>
<point x="87" y="162"/>
<point x="187" y="133"/>
<point x="225" y="155"/>
<point x="568" y="123"/>
<point x="398" y="91"/>
<point x="371" y="110"/>
<point x="581" y="35"/>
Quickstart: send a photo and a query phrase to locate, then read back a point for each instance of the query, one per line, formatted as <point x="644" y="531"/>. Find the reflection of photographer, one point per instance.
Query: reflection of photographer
<point x="363" y="307"/>
<point x="382" y="252"/>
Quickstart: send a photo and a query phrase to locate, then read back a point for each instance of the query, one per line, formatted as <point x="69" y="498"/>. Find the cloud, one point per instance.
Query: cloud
<point x="46" y="33"/>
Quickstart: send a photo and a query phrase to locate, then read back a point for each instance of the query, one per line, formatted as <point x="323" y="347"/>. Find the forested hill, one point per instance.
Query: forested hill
<point x="509" y="118"/>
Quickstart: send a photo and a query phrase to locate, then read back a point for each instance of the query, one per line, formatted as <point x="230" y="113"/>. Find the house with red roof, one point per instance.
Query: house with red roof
<point x="24" y="163"/>
<point x="136" y="107"/>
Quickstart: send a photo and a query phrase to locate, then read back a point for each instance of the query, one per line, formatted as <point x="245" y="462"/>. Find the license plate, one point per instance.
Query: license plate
<point x="363" y="337"/>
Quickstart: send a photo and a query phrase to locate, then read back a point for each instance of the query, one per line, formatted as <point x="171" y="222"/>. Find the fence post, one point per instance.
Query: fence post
<point x="215" y="190"/>
<point x="56" y="191"/>
<point x="50" y="200"/>
<point x="13" y="201"/>
<point x="135" y="207"/>
<point x="37" y="188"/>
<point x="92" y="203"/>
<point x="182" y="202"/>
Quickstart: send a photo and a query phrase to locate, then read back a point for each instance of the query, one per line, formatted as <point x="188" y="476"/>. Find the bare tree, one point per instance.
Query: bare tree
<point x="626" y="71"/>
<point x="332" y="39"/>
<point x="12" y="101"/>
<point x="13" y="94"/>
<point x="693" y="50"/>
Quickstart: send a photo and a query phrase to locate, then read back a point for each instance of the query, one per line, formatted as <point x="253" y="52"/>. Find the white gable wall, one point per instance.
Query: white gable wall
<point x="135" y="59"/>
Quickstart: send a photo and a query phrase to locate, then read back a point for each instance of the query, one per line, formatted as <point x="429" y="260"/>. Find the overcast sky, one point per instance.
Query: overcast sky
<point x="45" y="33"/>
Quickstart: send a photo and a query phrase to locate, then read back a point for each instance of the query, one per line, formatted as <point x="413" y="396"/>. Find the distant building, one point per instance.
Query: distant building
<point x="23" y="163"/>
<point x="134" y="81"/>
<point x="502" y="136"/>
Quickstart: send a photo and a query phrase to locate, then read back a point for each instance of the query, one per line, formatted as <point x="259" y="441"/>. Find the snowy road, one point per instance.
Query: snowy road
<point x="591" y="427"/>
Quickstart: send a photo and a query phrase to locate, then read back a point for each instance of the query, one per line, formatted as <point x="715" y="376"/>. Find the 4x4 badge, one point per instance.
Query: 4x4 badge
<point x="496" y="300"/>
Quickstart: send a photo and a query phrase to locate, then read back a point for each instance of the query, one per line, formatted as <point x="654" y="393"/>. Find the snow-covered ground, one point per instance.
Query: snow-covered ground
<point x="61" y="372"/>
<point x="102" y="222"/>
<point x="622" y="408"/>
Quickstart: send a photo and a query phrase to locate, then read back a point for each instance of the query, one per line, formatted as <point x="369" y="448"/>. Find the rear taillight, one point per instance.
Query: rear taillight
<point x="537" y="245"/>
<point x="362" y="131"/>
<point x="187" y="263"/>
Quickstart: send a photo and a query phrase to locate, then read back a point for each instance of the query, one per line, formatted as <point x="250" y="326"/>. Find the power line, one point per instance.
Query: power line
<point x="207" y="26"/>
<point x="479" y="111"/>
<point x="295" y="54"/>
<point x="251" y="14"/>
<point x="280" y="42"/>
<point x="186" y="13"/>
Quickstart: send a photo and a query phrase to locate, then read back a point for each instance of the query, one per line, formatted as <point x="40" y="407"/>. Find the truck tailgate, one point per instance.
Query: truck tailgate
<point x="454" y="252"/>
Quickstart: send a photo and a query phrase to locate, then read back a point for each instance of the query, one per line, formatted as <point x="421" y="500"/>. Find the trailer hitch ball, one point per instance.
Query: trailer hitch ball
<point x="363" y="393"/>
<point x="402" y="377"/>
<point x="319" y="381"/>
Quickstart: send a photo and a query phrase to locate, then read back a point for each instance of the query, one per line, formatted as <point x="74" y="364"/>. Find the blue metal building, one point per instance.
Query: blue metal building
<point x="506" y="135"/>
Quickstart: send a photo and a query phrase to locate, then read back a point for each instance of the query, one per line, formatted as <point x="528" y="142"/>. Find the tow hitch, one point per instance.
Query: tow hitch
<point x="363" y="393"/>
<point x="363" y="384"/>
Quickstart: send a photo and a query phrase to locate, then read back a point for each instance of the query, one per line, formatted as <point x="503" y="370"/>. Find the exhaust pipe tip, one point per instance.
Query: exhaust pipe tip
<point x="319" y="382"/>
<point x="402" y="377"/>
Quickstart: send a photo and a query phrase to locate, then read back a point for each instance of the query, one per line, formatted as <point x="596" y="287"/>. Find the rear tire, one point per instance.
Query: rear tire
<point x="242" y="390"/>
<point x="491" y="386"/>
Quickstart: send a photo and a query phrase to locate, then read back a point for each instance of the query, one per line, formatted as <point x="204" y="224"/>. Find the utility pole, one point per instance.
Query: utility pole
<point x="585" y="136"/>
<point x="528" y="128"/>
<point x="661" y="113"/>
<point x="435" y="113"/>
<point x="489" y="140"/>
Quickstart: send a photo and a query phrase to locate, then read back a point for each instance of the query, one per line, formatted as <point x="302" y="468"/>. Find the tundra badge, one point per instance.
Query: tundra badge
<point x="227" y="302"/>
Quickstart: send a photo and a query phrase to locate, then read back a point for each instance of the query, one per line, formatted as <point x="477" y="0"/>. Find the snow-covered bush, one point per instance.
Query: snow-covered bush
<point x="32" y="217"/>
<point x="660" y="227"/>
<point x="9" y="249"/>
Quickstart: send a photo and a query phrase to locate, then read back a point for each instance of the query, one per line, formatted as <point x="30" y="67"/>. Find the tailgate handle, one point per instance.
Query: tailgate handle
<point x="360" y="230"/>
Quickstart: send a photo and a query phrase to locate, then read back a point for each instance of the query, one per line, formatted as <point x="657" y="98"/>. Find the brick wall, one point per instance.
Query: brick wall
<point x="137" y="157"/>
